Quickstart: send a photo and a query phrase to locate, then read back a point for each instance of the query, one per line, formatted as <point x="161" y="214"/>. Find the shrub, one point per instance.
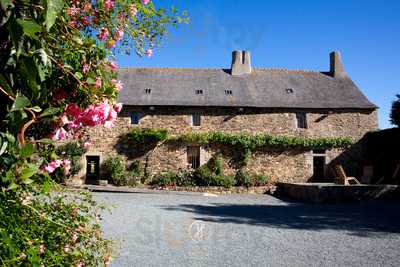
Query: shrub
<point x="215" y="164"/>
<point x="203" y="176"/>
<point x="184" y="178"/>
<point x="115" y="171"/>
<point x="72" y="151"/>
<point x="260" y="180"/>
<point x="148" y="135"/>
<point x="164" y="179"/>
<point x="242" y="178"/>
<point x="225" y="181"/>
<point x="136" y="169"/>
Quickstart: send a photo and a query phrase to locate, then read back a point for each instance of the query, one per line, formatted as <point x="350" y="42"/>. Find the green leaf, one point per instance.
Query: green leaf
<point x="26" y="151"/>
<point x="28" y="181"/>
<point x="36" y="109"/>
<point x="29" y="27"/>
<point x="12" y="186"/>
<point x="3" y="146"/>
<point x="28" y="171"/>
<point x="50" y="111"/>
<point x="53" y="8"/>
<point x="20" y="102"/>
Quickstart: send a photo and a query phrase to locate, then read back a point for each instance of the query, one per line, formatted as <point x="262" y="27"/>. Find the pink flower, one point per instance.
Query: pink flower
<point x="73" y="110"/>
<point x="74" y="237"/>
<point x="103" y="34"/>
<point x="67" y="166"/>
<point x="42" y="248"/>
<point x="113" y="66"/>
<point x="86" y="68"/>
<point x="149" y="52"/>
<point x="72" y="11"/>
<point x="109" y="4"/>
<point x="119" y="34"/>
<point x="98" y="82"/>
<point x="87" y="144"/>
<point x="73" y="23"/>
<point x="64" y="120"/>
<point x="60" y="134"/>
<point x="145" y="1"/>
<point x="67" y="248"/>
<point x="133" y="10"/>
<point x="80" y="264"/>
<point x="87" y="7"/>
<point x="118" y="107"/>
<point x="117" y="84"/>
<point x="109" y="124"/>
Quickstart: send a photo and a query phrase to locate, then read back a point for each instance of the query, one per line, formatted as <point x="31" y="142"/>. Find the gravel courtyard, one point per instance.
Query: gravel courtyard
<point x="191" y="229"/>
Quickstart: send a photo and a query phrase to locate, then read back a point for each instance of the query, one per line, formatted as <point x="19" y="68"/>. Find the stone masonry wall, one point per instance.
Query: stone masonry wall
<point x="295" y="166"/>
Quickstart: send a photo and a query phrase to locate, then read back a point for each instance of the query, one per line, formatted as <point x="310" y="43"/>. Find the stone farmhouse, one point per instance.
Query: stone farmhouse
<point x="242" y="99"/>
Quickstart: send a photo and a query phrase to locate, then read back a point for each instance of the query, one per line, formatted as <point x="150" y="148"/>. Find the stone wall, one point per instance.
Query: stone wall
<point x="295" y="166"/>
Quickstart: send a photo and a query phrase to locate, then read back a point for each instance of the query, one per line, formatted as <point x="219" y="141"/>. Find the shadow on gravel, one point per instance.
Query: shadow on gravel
<point x="361" y="219"/>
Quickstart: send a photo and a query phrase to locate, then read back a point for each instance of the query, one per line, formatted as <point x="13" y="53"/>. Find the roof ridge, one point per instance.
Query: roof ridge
<point x="255" y="68"/>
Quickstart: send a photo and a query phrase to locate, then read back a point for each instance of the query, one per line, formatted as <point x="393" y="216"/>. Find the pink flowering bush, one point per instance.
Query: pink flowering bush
<point x="57" y="76"/>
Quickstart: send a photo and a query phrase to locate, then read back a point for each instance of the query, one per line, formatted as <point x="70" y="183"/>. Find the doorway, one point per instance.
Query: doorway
<point x="92" y="168"/>
<point x="318" y="169"/>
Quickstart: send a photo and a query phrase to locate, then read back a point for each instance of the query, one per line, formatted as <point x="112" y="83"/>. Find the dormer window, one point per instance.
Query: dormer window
<point x="228" y="92"/>
<point x="147" y="91"/>
<point x="301" y="120"/>
<point x="198" y="92"/>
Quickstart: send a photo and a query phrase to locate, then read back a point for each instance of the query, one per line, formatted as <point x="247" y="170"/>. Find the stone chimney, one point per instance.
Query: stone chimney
<point x="240" y="63"/>
<point x="337" y="69"/>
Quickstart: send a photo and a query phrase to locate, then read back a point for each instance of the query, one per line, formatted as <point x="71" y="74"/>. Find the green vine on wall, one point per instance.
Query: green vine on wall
<point x="258" y="141"/>
<point x="246" y="144"/>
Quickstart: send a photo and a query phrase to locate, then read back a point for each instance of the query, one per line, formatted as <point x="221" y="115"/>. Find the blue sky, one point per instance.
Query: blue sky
<point x="290" y="34"/>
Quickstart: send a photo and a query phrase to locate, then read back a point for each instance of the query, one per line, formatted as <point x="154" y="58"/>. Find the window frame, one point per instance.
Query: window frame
<point x="193" y="156"/>
<point x="195" y="120"/>
<point x="301" y="120"/>
<point x="138" y="117"/>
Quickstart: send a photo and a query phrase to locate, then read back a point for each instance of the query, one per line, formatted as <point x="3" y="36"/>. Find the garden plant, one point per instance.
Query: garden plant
<point x="57" y="76"/>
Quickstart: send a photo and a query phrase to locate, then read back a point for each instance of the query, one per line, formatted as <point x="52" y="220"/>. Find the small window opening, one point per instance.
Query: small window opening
<point x="196" y="120"/>
<point x="147" y="90"/>
<point x="301" y="119"/>
<point x="228" y="92"/>
<point x="135" y="118"/>
<point x="193" y="156"/>
<point x="289" y="90"/>
<point x="198" y="92"/>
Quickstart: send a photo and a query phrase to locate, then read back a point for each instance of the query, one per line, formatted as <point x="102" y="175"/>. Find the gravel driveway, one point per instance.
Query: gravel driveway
<point x="190" y="229"/>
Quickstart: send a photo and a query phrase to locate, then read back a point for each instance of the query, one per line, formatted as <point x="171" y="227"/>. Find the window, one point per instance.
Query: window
<point x="301" y="119"/>
<point x="198" y="92"/>
<point x="196" y="120"/>
<point x="228" y="92"/>
<point x="193" y="156"/>
<point x="135" y="118"/>
<point x="147" y="91"/>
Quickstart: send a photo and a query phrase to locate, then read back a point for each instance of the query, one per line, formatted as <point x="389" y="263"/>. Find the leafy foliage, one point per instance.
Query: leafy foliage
<point x="73" y="151"/>
<point x="115" y="171"/>
<point x="395" y="112"/>
<point x="258" y="141"/>
<point x="56" y="54"/>
<point x="148" y="135"/>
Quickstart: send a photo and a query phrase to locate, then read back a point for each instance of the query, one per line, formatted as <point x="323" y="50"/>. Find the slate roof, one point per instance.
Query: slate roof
<point x="264" y="88"/>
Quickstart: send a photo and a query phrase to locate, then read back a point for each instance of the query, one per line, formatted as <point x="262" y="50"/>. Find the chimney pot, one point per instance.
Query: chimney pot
<point x="240" y="63"/>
